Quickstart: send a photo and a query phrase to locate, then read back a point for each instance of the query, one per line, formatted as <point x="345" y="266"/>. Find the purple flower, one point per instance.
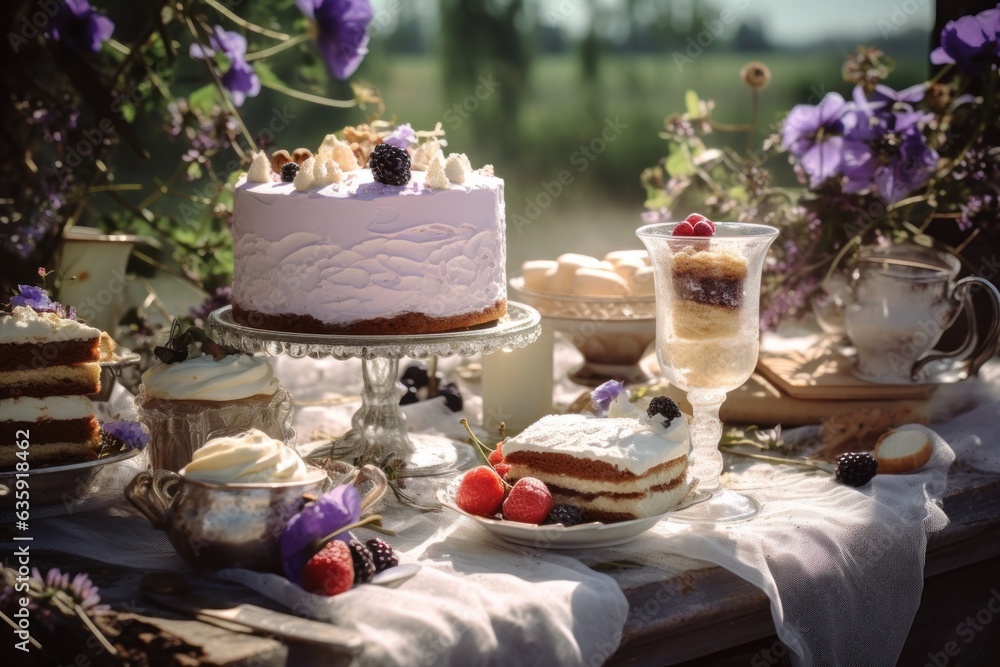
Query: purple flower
<point x="80" y="27"/>
<point x="222" y="296"/>
<point x="400" y="137"/>
<point x="342" y="32"/>
<point x="887" y="152"/>
<point x="240" y="79"/>
<point x="80" y="588"/>
<point x="971" y="42"/>
<point x="132" y="434"/>
<point x="331" y="511"/>
<point x="33" y="297"/>
<point x="816" y="136"/>
<point x="601" y="397"/>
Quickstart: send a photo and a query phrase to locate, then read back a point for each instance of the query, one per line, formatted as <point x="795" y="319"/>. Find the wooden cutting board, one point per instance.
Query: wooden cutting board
<point x="821" y="370"/>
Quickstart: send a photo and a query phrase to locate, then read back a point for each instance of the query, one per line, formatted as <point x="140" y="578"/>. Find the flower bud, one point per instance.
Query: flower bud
<point x="755" y="75"/>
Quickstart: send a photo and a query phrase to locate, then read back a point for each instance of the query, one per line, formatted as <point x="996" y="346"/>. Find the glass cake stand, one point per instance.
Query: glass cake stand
<point x="379" y="424"/>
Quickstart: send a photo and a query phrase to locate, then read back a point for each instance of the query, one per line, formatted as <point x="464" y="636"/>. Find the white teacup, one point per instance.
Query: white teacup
<point x="902" y="300"/>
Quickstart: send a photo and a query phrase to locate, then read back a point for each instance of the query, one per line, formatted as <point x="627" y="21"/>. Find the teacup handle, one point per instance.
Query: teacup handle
<point x="976" y="351"/>
<point x="151" y="493"/>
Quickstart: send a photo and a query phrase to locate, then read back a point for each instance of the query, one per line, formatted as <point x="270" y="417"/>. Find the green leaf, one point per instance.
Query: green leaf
<point x="265" y="73"/>
<point x="194" y="171"/>
<point x="205" y="98"/>
<point x="691" y="101"/>
<point x="128" y="112"/>
<point x="679" y="162"/>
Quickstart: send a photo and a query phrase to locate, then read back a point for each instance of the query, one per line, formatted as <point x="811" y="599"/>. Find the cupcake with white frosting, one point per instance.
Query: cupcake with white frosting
<point x="202" y="390"/>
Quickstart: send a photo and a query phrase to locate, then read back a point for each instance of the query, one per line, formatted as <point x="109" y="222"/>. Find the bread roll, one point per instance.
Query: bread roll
<point x="902" y="451"/>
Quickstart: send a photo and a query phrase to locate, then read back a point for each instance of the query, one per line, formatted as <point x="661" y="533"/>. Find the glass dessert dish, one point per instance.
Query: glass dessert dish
<point x="611" y="332"/>
<point x="707" y="337"/>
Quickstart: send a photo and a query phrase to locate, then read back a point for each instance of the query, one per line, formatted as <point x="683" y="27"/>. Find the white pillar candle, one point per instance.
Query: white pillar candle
<point x="517" y="385"/>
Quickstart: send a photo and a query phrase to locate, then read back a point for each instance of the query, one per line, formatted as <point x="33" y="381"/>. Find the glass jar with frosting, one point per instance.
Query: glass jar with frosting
<point x="182" y="403"/>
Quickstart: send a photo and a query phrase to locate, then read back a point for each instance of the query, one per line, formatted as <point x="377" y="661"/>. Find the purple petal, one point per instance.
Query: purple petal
<point x="400" y="137"/>
<point x="603" y="395"/>
<point x="823" y="160"/>
<point x="233" y="44"/>
<point x="241" y="81"/>
<point x="200" y="52"/>
<point x="799" y="128"/>
<point x="331" y="511"/>
<point x="343" y="38"/>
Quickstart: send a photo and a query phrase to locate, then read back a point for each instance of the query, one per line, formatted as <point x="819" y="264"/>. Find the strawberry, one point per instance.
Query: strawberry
<point x="330" y="571"/>
<point x="530" y="501"/>
<point x="695" y="218"/>
<point x="704" y="228"/>
<point x="502" y="469"/>
<point x="684" y="229"/>
<point x="496" y="456"/>
<point x="480" y="492"/>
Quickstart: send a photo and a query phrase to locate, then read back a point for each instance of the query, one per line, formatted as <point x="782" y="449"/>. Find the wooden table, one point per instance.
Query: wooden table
<point x="705" y="616"/>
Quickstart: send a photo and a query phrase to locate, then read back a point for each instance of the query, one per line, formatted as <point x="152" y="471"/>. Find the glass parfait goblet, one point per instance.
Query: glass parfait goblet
<point x="708" y="337"/>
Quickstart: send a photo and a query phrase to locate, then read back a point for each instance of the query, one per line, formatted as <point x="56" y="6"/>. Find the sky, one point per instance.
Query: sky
<point x="787" y="22"/>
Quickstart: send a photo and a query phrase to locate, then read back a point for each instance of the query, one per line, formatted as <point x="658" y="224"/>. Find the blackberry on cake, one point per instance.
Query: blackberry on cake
<point x="390" y="165"/>
<point x="382" y="554"/>
<point x="567" y="515"/>
<point x="364" y="562"/>
<point x="288" y="171"/>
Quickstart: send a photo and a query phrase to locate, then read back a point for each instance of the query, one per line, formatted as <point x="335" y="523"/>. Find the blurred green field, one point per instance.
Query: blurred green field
<point x="560" y="113"/>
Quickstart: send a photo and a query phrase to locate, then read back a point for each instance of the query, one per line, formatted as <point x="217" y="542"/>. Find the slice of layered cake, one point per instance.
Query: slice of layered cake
<point x="48" y="363"/>
<point x="43" y="354"/>
<point x="612" y="468"/>
<point x="59" y="429"/>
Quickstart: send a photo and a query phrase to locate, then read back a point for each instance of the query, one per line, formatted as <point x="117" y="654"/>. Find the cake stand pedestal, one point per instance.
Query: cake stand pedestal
<point x="379" y="425"/>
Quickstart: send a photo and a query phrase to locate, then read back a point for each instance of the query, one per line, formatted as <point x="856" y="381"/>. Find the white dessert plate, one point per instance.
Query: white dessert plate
<point x="557" y="536"/>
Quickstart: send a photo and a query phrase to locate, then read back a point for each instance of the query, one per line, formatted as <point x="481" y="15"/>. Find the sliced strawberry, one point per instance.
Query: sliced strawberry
<point x="496" y="456"/>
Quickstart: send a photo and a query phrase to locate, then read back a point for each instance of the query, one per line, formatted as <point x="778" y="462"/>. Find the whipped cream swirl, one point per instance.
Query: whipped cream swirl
<point x="251" y="457"/>
<point x="205" y="379"/>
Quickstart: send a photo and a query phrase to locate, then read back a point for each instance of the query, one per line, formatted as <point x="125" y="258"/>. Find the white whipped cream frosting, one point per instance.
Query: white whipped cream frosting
<point x="51" y="407"/>
<point x="359" y="249"/>
<point x="248" y="458"/>
<point x="204" y="379"/>
<point x="633" y="444"/>
<point x="26" y="325"/>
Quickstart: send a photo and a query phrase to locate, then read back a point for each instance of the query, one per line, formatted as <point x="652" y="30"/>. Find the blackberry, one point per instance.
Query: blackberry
<point x="452" y="396"/>
<point x="364" y="561"/>
<point x="856" y="468"/>
<point x="663" y="406"/>
<point x="415" y="374"/>
<point x="382" y="554"/>
<point x="390" y="165"/>
<point x="410" y="396"/>
<point x="288" y="171"/>
<point x="567" y="515"/>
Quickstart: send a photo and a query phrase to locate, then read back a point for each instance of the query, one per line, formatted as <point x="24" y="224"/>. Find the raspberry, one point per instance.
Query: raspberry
<point x="364" y="562"/>
<point x="382" y="554"/>
<point x="288" y="171"/>
<point x="496" y="456"/>
<point x="856" y="468"/>
<point x="664" y="407"/>
<point x="703" y="228"/>
<point x="695" y="218"/>
<point x="330" y="571"/>
<point x="530" y="501"/>
<point x="567" y="515"/>
<point x="502" y="469"/>
<point x="480" y="492"/>
<point x="684" y="229"/>
<point x="390" y="165"/>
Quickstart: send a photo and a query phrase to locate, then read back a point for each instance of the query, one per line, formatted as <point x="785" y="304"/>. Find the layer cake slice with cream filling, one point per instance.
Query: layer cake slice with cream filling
<point x="613" y="469"/>
<point x="43" y="354"/>
<point x="59" y="429"/>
